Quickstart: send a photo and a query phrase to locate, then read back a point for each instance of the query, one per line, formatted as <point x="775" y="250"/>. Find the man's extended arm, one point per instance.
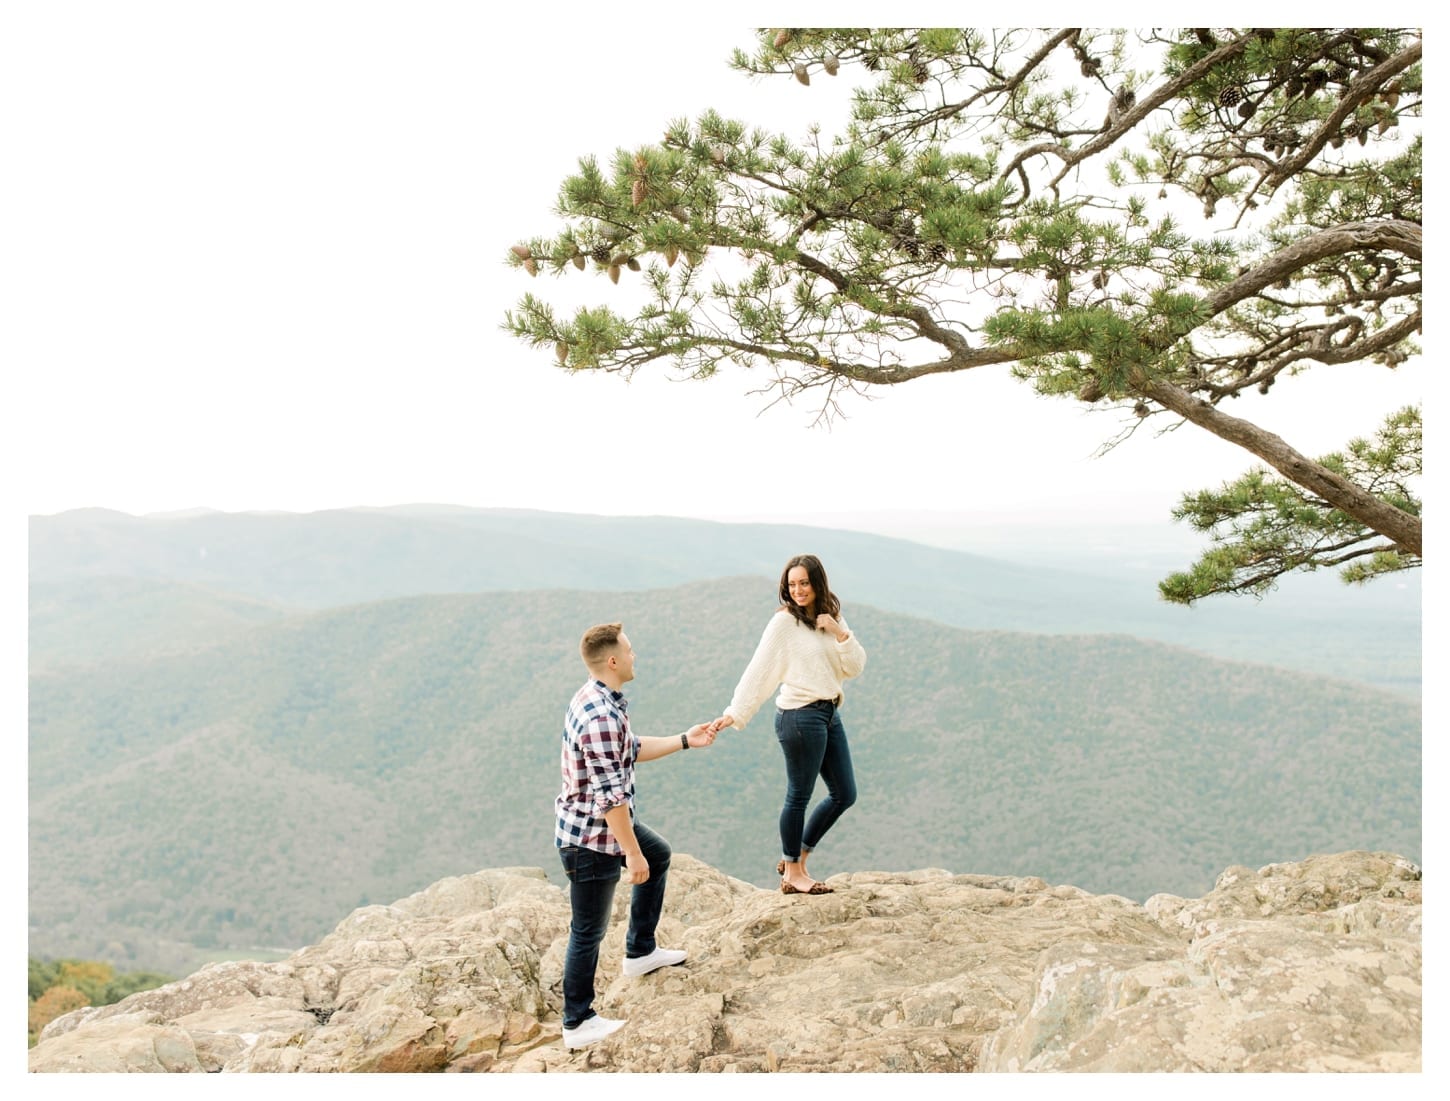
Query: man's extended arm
<point x="651" y="749"/>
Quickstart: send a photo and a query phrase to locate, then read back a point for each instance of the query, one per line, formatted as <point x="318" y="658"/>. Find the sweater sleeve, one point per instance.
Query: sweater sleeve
<point x="764" y="673"/>
<point x="853" y="654"/>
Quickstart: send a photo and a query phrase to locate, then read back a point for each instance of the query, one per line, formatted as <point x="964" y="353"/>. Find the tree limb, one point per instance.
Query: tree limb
<point x="1393" y="523"/>
<point x="1396" y="235"/>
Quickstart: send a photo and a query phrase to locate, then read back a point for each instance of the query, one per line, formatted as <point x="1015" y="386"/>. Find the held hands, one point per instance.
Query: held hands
<point x="719" y="724"/>
<point x="701" y="734"/>
<point x="829" y="623"/>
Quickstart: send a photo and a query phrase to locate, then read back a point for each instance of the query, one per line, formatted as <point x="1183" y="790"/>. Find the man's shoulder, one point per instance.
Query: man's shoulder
<point x="592" y="698"/>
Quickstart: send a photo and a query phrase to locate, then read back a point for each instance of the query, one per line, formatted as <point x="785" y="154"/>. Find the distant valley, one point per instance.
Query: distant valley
<point x="219" y="768"/>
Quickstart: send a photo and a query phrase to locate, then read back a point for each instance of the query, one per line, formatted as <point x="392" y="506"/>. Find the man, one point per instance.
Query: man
<point x="596" y="832"/>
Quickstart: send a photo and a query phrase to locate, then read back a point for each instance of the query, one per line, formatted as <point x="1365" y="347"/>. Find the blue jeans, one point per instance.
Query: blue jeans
<point x="592" y="879"/>
<point x="814" y="742"/>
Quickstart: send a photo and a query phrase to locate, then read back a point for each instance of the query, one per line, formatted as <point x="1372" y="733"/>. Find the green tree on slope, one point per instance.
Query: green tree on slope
<point x="947" y="229"/>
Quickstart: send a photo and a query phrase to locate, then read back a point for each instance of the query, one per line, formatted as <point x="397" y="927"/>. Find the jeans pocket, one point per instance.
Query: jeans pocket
<point x="569" y="857"/>
<point x="583" y="865"/>
<point x="784" y="726"/>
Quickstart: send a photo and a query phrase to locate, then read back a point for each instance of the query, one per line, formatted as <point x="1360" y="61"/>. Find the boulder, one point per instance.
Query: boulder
<point x="1311" y="966"/>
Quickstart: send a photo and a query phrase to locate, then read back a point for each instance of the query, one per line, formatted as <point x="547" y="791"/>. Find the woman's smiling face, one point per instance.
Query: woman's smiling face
<point x="801" y="592"/>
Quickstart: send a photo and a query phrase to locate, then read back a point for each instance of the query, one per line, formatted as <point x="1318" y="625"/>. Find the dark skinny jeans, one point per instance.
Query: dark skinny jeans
<point x="814" y="742"/>
<point x="592" y="879"/>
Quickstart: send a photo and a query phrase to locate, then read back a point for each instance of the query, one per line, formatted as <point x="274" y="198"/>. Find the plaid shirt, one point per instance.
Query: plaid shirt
<point x="596" y="760"/>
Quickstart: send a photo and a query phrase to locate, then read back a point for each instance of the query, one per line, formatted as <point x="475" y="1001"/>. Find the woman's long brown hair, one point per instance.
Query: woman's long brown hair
<point x="826" y="602"/>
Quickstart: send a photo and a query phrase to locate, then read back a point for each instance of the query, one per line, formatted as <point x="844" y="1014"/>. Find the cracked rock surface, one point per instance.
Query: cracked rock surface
<point x="1306" y="966"/>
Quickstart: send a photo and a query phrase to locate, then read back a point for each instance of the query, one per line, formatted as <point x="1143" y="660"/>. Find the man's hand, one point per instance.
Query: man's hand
<point x="636" y="867"/>
<point x="828" y="623"/>
<point x="700" y="735"/>
<point x="721" y="723"/>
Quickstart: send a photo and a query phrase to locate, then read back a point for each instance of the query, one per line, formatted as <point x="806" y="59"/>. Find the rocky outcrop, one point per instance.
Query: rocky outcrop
<point x="1310" y="966"/>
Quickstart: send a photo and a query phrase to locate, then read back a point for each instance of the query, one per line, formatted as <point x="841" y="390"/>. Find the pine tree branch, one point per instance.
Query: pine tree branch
<point x="1360" y="89"/>
<point x="1395" y="235"/>
<point x="1391" y="522"/>
<point x="1128" y="120"/>
<point x="1008" y="86"/>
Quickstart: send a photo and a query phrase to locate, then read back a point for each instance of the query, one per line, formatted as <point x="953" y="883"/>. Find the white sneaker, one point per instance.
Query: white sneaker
<point x="592" y="1029"/>
<point x="660" y="957"/>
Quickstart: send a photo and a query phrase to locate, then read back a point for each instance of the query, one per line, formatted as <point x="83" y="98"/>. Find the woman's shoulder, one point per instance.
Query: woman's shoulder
<point x="781" y="620"/>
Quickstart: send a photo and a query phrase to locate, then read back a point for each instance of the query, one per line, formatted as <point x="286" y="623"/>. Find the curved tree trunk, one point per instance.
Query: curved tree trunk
<point x="1391" y="522"/>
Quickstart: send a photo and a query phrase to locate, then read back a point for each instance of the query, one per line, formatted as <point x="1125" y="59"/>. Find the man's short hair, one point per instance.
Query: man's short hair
<point x="598" y="641"/>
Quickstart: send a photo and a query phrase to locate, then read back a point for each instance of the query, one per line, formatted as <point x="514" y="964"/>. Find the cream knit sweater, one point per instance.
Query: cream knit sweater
<point x="807" y="665"/>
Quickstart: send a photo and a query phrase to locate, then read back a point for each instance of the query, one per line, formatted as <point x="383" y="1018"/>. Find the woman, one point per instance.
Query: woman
<point x="807" y="651"/>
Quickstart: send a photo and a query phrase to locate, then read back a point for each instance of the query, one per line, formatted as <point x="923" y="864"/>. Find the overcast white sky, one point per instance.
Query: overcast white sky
<point x="261" y="267"/>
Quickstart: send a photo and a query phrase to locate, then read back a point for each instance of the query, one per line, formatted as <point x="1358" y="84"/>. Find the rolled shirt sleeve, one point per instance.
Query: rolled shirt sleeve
<point x="607" y="751"/>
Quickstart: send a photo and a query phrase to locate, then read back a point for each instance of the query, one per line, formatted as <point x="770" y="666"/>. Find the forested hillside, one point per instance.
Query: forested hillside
<point x="252" y="792"/>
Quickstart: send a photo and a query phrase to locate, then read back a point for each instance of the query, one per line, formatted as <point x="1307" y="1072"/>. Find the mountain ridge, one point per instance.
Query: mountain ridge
<point x="350" y="556"/>
<point x="402" y="738"/>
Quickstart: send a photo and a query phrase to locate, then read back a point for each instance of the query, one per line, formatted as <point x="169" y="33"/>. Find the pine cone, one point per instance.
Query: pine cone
<point x="561" y="351"/>
<point x="1293" y="86"/>
<point x="671" y="255"/>
<point x="1090" y="391"/>
<point x="601" y="253"/>
<point x="782" y="36"/>
<point x="637" y="192"/>
<point x="614" y="273"/>
<point x="578" y="259"/>
<point x="632" y="264"/>
<point x="802" y="73"/>
<point x="1247" y="109"/>
<point x="521" y="251"/>
<point x="832" y="64"/>
<point x="1230" y="95"/>
<point x="531" y="267"/>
